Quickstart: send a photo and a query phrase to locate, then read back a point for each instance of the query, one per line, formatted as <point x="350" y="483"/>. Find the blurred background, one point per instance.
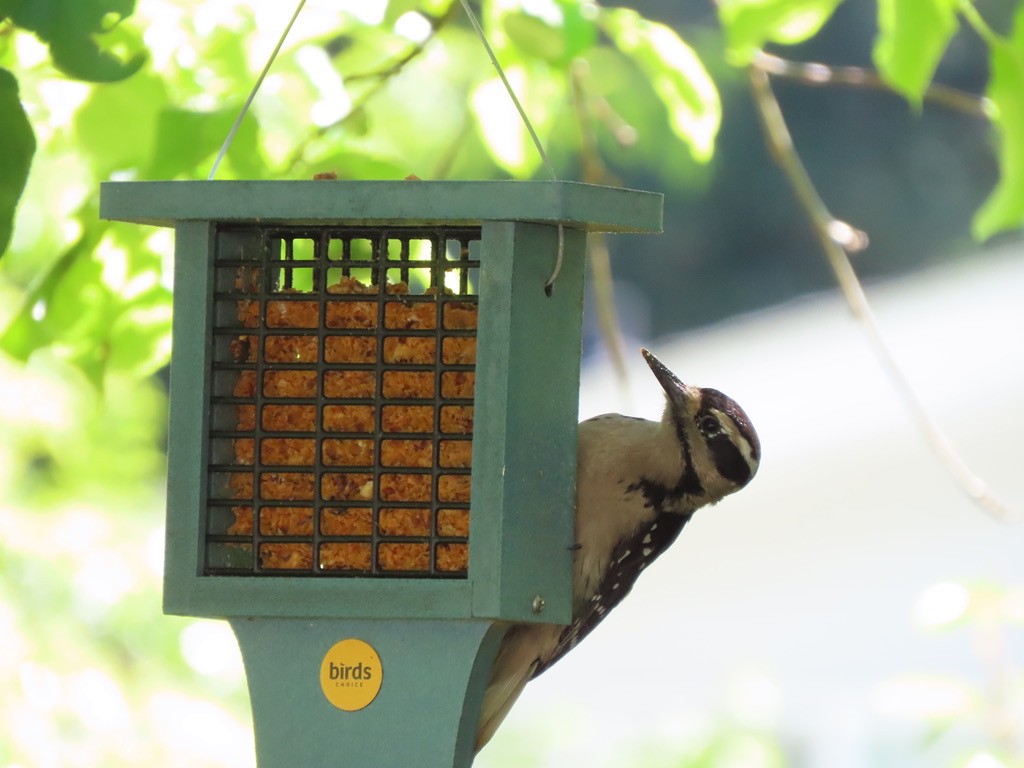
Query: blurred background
<point x="850" y="608"/>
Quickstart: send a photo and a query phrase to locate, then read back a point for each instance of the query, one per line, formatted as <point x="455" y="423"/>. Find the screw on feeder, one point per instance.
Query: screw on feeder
<point x="538" y="604"/>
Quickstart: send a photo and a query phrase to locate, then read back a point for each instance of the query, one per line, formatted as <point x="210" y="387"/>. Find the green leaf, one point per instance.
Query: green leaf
<point x="69" y="311"/>
<point x="557" y="38"/>
<point x="1004" y="209"/>
<point x="185" y="138"/>
<point x="45" y="315"/>
<point x="579" y="26"/>
<point x="639" y="135"/>
<point x="501" y="127"/>
<point x="102" y="307"/>
<point x="750" y="24"/>
<point x="117" y="126"/>
<point x="16" y="150"/>
<point x="534" y="37"/>
<point x="85" y="37"/>
<point x="432" y="8"/>
<point x="676" y="74"/>
<point x="140" y="337"/>
<point x="912" y="37"/>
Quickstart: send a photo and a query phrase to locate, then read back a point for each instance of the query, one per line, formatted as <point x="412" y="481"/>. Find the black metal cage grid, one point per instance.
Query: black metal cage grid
<point x="341" y="401"/>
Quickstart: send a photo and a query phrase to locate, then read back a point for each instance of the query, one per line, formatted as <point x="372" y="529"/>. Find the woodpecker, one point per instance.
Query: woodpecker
<point x="638" y="483"/>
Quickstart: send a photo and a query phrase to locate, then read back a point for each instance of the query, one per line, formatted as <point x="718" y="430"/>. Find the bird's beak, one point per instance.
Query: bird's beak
<point x="683" y="397"/>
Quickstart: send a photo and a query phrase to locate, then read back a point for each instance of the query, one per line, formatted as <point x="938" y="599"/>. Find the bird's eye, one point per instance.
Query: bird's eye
<point x="709" y="426"/>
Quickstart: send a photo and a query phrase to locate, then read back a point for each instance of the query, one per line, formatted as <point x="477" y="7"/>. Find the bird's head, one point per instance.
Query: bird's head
<point x="719" y="447"/>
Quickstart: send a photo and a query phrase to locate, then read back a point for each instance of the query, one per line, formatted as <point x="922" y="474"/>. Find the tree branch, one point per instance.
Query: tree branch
<point x="594" y="171"/>
<point x="396" y="66"/>
<point x="815" y="74"/>
<point x="780" y="144"/>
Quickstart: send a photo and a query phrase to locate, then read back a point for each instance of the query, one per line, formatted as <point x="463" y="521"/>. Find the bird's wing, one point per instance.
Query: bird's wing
<point x="627" y="562"/>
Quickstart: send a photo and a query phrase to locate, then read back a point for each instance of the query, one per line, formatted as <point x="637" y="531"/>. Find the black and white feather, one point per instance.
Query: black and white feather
<point x="638" y="483"/>
<point x="627" y="562"/>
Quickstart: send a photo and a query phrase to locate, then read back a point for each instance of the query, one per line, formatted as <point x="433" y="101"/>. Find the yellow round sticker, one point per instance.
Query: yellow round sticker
<point x="351" y="674"/>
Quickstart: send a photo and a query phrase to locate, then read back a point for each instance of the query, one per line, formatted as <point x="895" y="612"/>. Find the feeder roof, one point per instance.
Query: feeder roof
<point x="581" y="206"/>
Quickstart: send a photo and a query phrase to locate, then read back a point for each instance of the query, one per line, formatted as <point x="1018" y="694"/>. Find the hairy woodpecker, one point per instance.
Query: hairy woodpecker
<point x="638" y="482"/>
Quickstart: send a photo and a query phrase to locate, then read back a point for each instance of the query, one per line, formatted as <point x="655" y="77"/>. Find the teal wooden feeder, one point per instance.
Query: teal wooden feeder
<point x="373" y="440"/>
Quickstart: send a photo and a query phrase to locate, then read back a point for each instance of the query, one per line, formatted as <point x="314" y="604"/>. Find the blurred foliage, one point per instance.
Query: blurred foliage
<point x="1005" y="208"/>
<point x="750" y="24"/>
<point x="94" y="675"/>
<point x="16" y="157"/>
<point x="726" y="743"/>
<point x="961" y="723"/>
<point x="913" y="36"/>
<point x="912" y="39"/>
<point x="340" y="99"/>
<point x="85" y="37"/>
<point x="98" y="89"/>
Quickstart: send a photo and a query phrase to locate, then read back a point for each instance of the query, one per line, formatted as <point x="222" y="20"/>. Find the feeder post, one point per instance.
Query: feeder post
<point x="425" y="714"/>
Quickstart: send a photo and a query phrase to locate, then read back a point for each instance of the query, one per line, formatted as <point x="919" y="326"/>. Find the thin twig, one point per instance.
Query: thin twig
<point x="816" y="74"/>
<point x="393" y="68"/>
<point x="594" y="171"/>
<point x="780" y="144"/>
<point x="979" y="25"/>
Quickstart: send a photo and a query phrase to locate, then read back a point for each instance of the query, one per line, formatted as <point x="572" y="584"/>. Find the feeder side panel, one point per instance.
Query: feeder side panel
<point x="189" y="393"/>
<point x="527" y="401"/>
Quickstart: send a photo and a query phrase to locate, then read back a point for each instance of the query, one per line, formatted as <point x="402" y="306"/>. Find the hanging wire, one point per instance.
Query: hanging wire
<point x="508" y="87"/>
<point x="550" y="282"/>
<point x="253" y="92"/>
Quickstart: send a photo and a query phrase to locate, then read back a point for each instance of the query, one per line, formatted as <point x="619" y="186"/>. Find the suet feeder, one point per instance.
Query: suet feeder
<point x="372" y="444"/>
